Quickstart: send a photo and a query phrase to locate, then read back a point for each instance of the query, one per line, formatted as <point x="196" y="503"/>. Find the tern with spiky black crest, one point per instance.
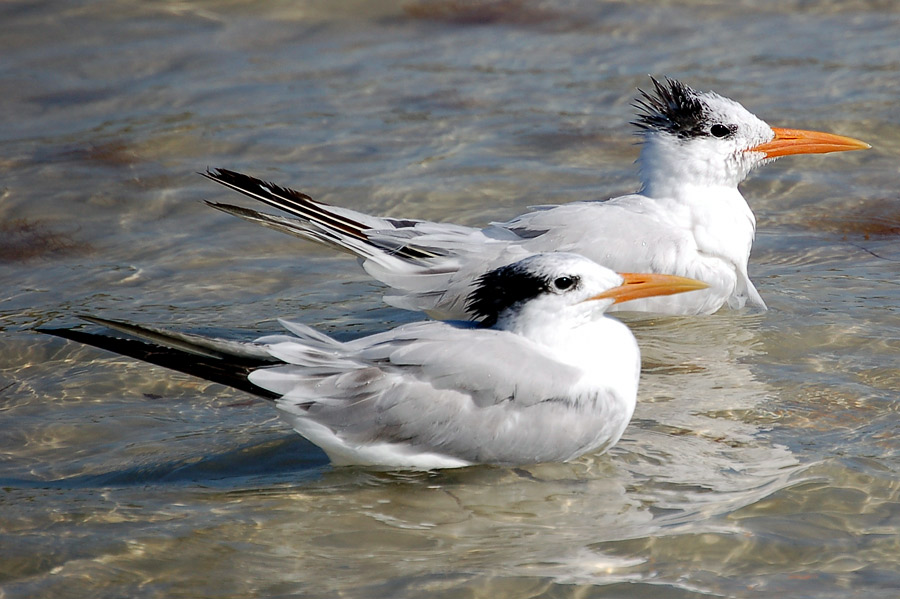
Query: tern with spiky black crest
<point x="688" y="218"/>
<point x="539" y="375"/>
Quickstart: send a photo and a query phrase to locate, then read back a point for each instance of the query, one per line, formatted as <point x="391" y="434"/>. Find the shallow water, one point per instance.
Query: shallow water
<point x="763" y="458"/>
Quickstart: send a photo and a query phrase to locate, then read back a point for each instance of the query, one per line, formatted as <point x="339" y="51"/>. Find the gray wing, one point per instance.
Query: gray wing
<point x="622" y="234"/>
<point x="486" y="365"/>
<point x="426" y="387"/>
<point x="430" y="266"/>
<point x="630" y="233"/>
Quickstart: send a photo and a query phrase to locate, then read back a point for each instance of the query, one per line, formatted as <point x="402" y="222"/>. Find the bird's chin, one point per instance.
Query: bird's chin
<point x="755" y="160"/>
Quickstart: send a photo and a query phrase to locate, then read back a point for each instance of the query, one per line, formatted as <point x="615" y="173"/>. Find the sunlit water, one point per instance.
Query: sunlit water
<point x="763" y="457"/>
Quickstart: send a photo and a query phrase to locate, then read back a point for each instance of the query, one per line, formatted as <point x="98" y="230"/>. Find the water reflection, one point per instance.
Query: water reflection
<point x="693" y="457"/>
<point x="762" y="458"/>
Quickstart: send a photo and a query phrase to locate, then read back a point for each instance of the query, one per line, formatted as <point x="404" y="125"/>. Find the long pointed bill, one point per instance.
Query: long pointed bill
<point x="638" y="285"/>
<point x="798" y="141"/>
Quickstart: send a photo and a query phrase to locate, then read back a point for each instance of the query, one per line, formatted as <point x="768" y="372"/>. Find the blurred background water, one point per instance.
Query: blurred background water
<point x="763" y="459"/>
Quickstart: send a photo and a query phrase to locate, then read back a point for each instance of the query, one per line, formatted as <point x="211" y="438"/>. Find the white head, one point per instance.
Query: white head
<point x="702" y="138"/>
<point x="560" y="290"/>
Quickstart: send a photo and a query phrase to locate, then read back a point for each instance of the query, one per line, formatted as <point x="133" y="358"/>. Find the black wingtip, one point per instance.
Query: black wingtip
<point x="210" y="173"/>
<point x="306" y="209"/>
<point x="283" y="198"/>
<point x="231" y="372"/>
<point x="228" y="177"/>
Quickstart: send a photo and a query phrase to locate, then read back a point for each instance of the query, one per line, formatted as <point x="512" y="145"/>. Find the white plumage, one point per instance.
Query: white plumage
<point x="543" y="376"/>
<point x="688" y="218"/>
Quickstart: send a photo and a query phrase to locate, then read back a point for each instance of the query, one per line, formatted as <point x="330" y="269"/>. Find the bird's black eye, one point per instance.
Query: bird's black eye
<point x="563" y="283"/>
<point x="718" y="130"/>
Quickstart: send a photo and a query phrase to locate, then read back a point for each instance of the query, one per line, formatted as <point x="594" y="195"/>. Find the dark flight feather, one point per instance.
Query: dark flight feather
<point x="209" y="362"/>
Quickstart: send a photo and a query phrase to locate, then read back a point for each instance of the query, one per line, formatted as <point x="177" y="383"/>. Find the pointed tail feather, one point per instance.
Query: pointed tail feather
<point x="291" y="226"/>
<point x="226" y="362"/>
<point x="307" y="230"/>
<point x="291" y="201"/>
<point x="342" y="228"/>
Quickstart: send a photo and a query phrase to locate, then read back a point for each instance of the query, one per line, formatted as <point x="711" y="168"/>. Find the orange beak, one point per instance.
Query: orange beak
<point x="798" y="141"/>
<point x="638" y="285"/>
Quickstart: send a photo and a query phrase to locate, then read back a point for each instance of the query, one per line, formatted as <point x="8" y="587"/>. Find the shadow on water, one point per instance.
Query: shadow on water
<point x="290" y="458"/>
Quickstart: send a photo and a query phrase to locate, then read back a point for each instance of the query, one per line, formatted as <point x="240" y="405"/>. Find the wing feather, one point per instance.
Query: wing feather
<point x="420" y="385"/>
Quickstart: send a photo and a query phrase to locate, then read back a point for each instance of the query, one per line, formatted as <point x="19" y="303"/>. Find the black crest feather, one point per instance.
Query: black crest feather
<point x="501" y="289"/>
<point x="673" y="107"/>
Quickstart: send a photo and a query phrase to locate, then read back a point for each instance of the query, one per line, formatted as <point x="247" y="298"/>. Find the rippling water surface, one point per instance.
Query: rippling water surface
<point x="763" y="459"/>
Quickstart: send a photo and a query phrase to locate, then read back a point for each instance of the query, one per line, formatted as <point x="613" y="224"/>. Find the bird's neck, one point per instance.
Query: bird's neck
<point x="714" y="200"/>
<point x="536" y="326"/>
<point x="601" y="346"/>
<point x="709" y="206"/>
<point x="669" y="169"/>
<point x="696" y="192"/>
<point x="683" y="184"/>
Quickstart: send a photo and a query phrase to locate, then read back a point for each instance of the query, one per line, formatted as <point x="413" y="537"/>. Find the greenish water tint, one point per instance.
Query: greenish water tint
<point x="763" y="459"/>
